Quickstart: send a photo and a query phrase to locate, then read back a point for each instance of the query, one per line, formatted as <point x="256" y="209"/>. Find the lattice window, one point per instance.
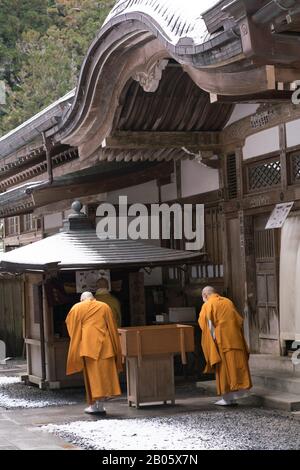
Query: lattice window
<point x="264" y="175"/>
<point x="296" y="168"/>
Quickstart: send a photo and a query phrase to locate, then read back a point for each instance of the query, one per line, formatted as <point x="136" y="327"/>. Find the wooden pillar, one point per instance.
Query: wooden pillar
<point x="248" y="275"/>
<point x="225" y="252"/>
<point x="223" y="222"/>
<point x="137" y="299"/>
<point x="283" y="156"/>
<point x="177" y="165"/>
<point x="91" y="213"/>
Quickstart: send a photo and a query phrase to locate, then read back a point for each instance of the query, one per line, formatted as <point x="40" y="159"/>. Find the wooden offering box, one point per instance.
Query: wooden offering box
<point x="139" y="341"/>
<point x="149" y="352"/>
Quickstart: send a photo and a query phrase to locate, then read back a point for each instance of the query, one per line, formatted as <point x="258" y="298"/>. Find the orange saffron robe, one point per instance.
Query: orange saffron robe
<point x="94" y="348"/>
<point x="113" y="303"/>
<point x="224" y="345"/>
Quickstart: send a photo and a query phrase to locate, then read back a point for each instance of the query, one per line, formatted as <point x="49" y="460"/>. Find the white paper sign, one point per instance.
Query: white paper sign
<point x="279" y="215"/>
<point x="86" y="281"/>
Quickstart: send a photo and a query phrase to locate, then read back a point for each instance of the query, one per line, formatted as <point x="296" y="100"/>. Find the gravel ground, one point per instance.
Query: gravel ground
<point x="230" y="429"/>
<point x="14" y="394"/>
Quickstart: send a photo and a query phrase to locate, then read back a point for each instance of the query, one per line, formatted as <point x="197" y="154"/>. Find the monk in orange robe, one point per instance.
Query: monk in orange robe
<point x="224" y="346"/>
<point x="103" y="295"/>
<point x="94" y="348"/>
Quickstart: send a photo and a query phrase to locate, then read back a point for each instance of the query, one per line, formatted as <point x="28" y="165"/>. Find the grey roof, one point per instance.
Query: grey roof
<point x="33" y="127"/>
<point x="177" y="18"/>
<point x="17" y="200"/>
<point x="18" y="192"/>
<point x="82" y="249"/>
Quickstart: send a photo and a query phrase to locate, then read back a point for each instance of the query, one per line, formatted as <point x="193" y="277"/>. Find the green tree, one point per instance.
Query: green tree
<point x="48" y="57"/>
<point x="16" y="17"/>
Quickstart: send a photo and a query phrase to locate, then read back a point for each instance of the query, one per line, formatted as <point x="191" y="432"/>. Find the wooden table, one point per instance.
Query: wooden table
<point x="149" y="353"/>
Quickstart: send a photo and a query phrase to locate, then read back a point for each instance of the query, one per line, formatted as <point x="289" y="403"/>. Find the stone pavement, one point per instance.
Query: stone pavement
<point x="20" y="429"/>
<point x="15" y="435"/>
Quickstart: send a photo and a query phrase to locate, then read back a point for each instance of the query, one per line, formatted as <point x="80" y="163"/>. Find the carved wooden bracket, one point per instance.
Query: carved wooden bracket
<point x="150" y="76"/>
<point x="207" y="158"/>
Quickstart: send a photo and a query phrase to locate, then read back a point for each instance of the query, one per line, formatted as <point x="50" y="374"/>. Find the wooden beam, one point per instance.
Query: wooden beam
<point x="278" y="96"/>
<point x="258" y="40"/>
<point x="260" y="202"/>
<point x="242" y="82"/>
<point x="152" y="140"/>
<point x="100" y="184"/>
<point x="64" y="205"/>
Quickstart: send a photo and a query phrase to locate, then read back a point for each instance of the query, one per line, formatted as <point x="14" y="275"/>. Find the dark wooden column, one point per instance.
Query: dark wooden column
<point x="248" y="276"/>
<point x="283" y="156"/>
<point x="137" y="299"/>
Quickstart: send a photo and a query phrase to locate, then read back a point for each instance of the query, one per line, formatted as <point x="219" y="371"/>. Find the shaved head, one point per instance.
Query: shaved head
<point x="86" y="296"/>
<point x="102" y="283"/>
<point x="207" y="292"/>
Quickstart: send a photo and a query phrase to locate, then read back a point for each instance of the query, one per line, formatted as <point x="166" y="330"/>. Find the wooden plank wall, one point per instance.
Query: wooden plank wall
<point x="11" y="315"/>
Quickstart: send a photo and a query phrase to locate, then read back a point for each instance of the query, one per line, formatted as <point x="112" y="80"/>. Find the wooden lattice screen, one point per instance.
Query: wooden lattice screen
<point x="232" y="186"/>
<point x="263" y="175"/>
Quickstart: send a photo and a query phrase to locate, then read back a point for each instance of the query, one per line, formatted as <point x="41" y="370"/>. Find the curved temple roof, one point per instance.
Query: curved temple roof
<point x="175" y="18"/>
<point x="243" y="49"/>
<point x="136" y="42"/>
<point x="226" y="47"/>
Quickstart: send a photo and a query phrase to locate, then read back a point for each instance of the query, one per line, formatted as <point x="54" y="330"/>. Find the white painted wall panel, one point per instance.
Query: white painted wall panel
<point x="261" y="143"/>
<point x="293" y="133"/>
<point x="198" y="179"/>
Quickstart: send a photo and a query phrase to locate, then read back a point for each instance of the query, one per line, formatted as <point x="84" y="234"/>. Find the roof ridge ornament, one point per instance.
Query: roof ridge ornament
<point x="76" y="208"/>
<point x="77" y="220"/>
<point x="150" y="75"/>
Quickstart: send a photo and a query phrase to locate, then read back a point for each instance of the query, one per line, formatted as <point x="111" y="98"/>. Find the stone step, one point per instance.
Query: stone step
<point x="274" y="380"/>
<point x="274" y="363"/>
<point x="260" y="396"/>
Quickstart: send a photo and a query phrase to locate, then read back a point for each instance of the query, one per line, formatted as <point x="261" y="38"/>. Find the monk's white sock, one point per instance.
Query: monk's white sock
<point x="223" y="402"/>
<point x="100" y="405"/>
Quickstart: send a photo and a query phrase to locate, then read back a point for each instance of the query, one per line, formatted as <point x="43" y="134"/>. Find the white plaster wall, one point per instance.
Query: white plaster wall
<point x="261" y="143"/>
<point x="197" y="178"/>
<point x="53" y="221"/>
<point x="241" y="111"/>
<point x="293" y="133"/>
<point x="144" y="193"/>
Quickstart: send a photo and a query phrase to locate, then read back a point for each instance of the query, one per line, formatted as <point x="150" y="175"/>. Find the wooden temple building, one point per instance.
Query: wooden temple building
<point x="188" y="102"/>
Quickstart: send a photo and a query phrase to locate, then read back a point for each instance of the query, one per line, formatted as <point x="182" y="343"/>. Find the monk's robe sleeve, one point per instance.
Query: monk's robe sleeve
<point x="119" y="314"/>
<point x="241" y="322"/>
<point x="208" y="344"/>
<point x="114" y="336"/>
<point x="74" y="361"/>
